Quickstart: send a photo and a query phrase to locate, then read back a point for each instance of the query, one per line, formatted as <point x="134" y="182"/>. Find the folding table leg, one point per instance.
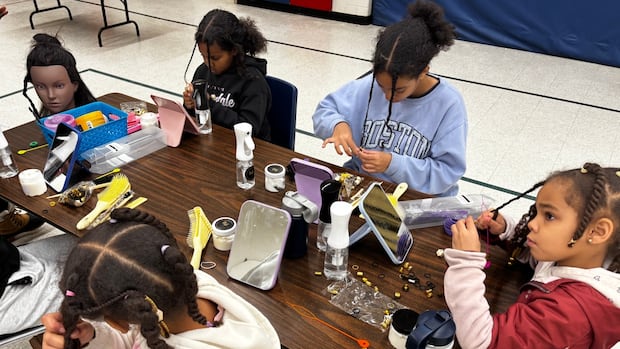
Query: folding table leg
<point x="105" y="21"/>
<point x="37" y="10"/>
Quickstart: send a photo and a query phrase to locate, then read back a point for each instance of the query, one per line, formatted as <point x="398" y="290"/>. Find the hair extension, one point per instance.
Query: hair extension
<point x="116" y="266"/>
<point x="240" y="35"/>
<point x="46" y="50"/>
<point x="406" y="48"/>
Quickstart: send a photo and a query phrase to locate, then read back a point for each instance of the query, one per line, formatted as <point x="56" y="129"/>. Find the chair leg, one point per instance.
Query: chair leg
<point x="37" y="10"/>
<point x="105" y="21"/>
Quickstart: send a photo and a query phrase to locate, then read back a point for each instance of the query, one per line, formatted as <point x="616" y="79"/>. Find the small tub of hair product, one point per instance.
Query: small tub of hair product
<point x="403" y="321"/>
<point x="224" y="229"/>
<point x="274" y="177"/>
<point x="148" y="119"/>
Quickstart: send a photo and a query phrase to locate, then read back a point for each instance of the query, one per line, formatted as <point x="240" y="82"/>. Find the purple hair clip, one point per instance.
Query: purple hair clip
<point x="69" y="293"/>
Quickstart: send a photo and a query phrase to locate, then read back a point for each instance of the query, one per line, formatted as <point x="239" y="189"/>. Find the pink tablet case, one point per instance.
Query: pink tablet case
<point x="174" y="120"/>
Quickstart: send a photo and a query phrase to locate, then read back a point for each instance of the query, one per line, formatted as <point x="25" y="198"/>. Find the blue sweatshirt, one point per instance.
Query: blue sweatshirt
<point x="429" y="135"/>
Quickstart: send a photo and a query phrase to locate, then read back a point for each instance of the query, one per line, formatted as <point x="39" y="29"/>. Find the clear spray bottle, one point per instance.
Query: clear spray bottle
<point x="337" y="251"/>
<point x="245" y="155"/>
<point x="9" y="168"/>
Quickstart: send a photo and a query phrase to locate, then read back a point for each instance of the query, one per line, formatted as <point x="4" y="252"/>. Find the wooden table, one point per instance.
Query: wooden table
<point x="201" y="171"/>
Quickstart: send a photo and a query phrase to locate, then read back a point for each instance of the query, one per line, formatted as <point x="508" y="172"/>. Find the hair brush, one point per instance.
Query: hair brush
<point x="118" y="186"/>
<point x="199" y="233"/>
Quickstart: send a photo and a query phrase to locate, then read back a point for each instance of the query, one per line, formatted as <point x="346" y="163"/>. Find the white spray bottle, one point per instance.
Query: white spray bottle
<point x="245" y="155"/>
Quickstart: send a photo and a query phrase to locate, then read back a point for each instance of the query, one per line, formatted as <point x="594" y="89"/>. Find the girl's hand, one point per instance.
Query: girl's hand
<point x="53" y="338"/>
<point x="495" y="226"/>
<point x="465" y="235"/>
<point x="374" y="161"/>
<point x="188" y="100"/>
<point x="342" y="139"/>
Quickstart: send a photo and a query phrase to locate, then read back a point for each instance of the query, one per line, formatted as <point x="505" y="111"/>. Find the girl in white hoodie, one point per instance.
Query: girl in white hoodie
<point x="136" y="289"/>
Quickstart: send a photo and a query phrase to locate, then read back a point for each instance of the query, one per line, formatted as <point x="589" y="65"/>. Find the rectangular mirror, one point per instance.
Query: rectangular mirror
<point x="58" y="170"/>
<point x="258" y="247"/>
<point x="384" y="221"/>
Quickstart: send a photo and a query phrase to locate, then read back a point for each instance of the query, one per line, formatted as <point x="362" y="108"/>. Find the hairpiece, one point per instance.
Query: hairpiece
<point x="572" y="242"/>
<point x="164" y="248"/>
<point x="69" y="293"/>
<point x="163" y="328"/>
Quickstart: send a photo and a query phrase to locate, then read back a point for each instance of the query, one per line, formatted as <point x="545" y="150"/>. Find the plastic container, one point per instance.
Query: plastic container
<point x="274" y="177"/>
<point x="433" y="211"/>
<point x="114" y="128"/>
<point x="403" y="321"/>
<point x="337" y="251"/>
<point x="8" y="167"/>
<point x="124" y="150"/>
<point x="224" y="229"/>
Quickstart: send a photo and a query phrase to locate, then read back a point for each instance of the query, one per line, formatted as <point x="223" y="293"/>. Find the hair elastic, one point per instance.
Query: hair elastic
<point x="164" y="248"/>
<point x="69" y="293"/>
<point x="207" y="265"/>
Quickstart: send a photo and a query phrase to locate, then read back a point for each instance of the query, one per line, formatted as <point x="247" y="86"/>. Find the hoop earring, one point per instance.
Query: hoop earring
<point x="572" y="242"/>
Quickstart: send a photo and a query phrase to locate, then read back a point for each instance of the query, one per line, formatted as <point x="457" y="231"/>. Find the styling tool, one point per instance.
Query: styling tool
<point x="105" y="215"/>
<point x="24" y="151"/>
<point x="106" y="198"/>
<point x="396" y="194"/>
<point x="136" y="202"/>
<point x="304" y="312"/>
<point x="200" y="230"/>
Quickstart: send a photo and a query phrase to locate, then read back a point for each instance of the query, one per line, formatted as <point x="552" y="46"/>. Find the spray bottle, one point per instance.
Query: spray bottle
<point x="337" y="251"/>
<point x="245" y="155"/>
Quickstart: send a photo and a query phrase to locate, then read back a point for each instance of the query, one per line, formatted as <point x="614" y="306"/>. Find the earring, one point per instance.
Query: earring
<point x="590" y="241"/>
<point x="572" y="242"/>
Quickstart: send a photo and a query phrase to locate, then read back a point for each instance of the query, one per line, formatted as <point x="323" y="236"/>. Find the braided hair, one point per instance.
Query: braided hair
<point x="47" y="50"/>
<point x="119" y="269"/>
<point x="594" y="193"/>
<point x="231" y="33"/>
<point x="405" y="49"/>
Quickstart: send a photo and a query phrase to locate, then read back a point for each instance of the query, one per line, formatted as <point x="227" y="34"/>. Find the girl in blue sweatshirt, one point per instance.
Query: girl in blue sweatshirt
<point x="400" y="123"/>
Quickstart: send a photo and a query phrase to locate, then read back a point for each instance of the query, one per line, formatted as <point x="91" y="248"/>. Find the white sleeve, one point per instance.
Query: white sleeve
<point x="464" y="293"/>
<point x="108" y="337"/>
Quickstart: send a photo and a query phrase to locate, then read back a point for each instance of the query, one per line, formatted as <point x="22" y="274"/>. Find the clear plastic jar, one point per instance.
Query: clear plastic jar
<point x="224" y="229"/>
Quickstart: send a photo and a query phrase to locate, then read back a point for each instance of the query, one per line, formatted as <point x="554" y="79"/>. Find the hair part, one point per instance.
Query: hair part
<point x="113" y="268"/>
<point x="594" y="193"/>
<point x="46" y="50"/>
<point x="406" y="48"/>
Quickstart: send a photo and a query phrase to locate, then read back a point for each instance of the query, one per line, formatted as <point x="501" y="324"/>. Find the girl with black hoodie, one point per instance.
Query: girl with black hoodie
<point x="235" y="77"/>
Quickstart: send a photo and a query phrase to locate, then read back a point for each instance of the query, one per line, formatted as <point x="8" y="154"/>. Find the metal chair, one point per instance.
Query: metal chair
<point x="283" y="114"/>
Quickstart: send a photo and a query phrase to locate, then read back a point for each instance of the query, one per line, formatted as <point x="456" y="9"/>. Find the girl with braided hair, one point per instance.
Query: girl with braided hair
<point x="418" y="135"/>
<point x="572" y="233"/>
<point x="234" y="75"/>
<point x="126" y="284"/>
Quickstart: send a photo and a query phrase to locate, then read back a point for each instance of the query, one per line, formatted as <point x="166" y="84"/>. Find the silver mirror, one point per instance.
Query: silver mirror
<point x="257" y="250"/>
<point x="383" y="220"/>
<point x="58" y="170"/>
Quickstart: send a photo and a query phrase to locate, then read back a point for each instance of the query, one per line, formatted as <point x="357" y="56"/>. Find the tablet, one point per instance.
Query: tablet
<point x="383" y="220"/>
<point x="60" y="163"/>
<point x="257" y="250"/>
<point x="174" y="120"/>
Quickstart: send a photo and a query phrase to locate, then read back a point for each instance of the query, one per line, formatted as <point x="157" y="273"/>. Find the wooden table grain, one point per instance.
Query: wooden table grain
<point x="201" y="172"/>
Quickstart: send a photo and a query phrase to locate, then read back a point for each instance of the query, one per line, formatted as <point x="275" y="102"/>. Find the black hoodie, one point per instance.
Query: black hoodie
<point x="244" y="97"/>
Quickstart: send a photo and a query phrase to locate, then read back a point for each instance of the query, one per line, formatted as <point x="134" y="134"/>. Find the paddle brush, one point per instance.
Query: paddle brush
<point x="118" y="186"/>
<point x="199" y="233"/>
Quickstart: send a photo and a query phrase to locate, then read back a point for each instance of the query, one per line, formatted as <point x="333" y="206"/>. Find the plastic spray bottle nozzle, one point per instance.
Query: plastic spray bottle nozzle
<point x="245" y="144"/>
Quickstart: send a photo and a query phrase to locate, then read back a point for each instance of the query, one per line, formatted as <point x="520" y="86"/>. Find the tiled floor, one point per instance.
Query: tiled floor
<point x="529" y="114"/>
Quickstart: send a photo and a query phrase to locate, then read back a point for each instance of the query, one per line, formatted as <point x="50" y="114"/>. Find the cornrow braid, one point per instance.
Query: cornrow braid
<point x="596" y="199"/>
<point x="113" y="269"/>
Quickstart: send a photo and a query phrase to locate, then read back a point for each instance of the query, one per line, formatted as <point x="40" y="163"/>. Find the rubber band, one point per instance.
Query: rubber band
<point x="164" y="248"/>
<point x="69" y="293"/>
<point x="207" y="265"/>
